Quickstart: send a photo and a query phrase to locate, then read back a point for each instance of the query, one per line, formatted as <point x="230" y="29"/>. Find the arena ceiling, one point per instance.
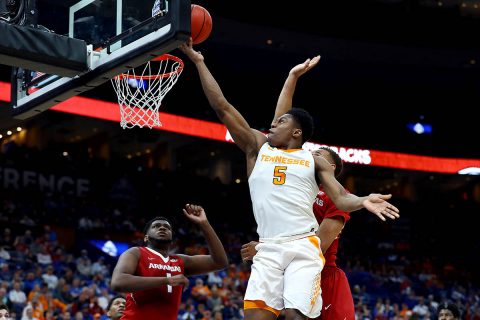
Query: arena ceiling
<point x="384" y="64"/>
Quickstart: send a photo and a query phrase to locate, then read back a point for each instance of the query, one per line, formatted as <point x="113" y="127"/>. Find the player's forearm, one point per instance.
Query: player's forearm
<point x="212" y="90"/>
<point x="285" y="99"/>
<point x="348" y="202"/>
<point x="215" y="246"/>
<point x="130" y="283"/>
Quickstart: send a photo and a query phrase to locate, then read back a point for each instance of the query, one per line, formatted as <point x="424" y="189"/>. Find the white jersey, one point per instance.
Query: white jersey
<point x="283" y="189"/>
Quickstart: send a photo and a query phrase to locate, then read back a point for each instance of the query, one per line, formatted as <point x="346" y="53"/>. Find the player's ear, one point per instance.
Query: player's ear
<point x="297" y="133"/>
<point x="145" y="239"/>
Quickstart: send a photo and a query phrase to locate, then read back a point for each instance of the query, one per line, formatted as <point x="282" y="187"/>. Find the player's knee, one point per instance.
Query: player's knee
<point x="294" y="314"/>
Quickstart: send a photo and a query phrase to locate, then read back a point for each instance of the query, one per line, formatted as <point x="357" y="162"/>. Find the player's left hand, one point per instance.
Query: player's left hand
<point x="302" y="68"/>
<point x="377" y="204"/>
<point x="195" y="213"/>
<point x="248" y="250"/>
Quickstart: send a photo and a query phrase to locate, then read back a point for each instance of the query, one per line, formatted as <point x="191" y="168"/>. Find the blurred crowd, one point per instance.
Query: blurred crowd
<point x="41" y="279"/>
<point x="48" y="270"/>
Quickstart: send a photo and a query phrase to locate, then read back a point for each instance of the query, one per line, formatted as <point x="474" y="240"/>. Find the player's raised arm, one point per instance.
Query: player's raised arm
<point x="246" y="138"/>
<point x="124" y="280"/>
<point x="217" y="259"/>
<point x="375" y="203"/>
<point x="285" y="99"/>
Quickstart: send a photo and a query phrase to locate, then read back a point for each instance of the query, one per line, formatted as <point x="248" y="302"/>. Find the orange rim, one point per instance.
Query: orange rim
<point x="163" y="75"/>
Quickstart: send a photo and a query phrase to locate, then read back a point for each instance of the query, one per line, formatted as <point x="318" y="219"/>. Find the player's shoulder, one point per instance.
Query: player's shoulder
<point x="131" y="253"/>
<point x="133" y="250"/>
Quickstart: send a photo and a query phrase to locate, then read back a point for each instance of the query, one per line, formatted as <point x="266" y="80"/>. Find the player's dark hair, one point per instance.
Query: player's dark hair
<point x="336" y="160"/>
<point x="149" y="223"/>
<point x="451" y="307"/>
<point x="113" y="299"/>
<point x="4" y="307"/>
<point x="304" y="120"/>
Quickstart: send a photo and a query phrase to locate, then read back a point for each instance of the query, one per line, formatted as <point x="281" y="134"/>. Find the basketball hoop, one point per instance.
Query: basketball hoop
<point x="140" y="96"/>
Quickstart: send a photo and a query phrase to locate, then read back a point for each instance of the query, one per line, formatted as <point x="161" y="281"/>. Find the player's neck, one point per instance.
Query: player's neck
<point x="163" y="249"/>
<point x="289" y="146"/>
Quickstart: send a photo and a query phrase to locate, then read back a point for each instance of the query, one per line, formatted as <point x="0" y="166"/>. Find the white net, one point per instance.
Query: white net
<point x="140" y="93"/>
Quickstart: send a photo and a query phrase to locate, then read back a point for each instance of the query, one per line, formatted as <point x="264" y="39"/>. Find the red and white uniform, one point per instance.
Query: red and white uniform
<point x="161" y="303"/>
<point x="336" y="294"/>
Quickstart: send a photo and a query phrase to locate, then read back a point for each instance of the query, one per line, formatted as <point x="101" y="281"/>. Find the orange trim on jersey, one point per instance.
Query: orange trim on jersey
<point x="316" y="242"/>
<point x="259" y="304"/>
<point x="290" y="150"/>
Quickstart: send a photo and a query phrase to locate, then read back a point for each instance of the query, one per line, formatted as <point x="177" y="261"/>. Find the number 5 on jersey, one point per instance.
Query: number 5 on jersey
<point x="279" y="174"/>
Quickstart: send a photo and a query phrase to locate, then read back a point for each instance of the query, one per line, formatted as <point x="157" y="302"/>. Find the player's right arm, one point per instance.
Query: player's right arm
<point x="375" y="203"/>
<point x="124" y="280"/>
<point x="247" y="139"/>
<point x="329" y="229"/>
<point x="285" y="99"/>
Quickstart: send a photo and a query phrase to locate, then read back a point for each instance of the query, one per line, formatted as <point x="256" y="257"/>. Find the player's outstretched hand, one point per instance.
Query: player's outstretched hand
<point x="195" y="213"/>
<point x="248" y="250"/>
<point x="377" y="204"/>
<point x="187" y="48"/>
<point x="179" y="280"/>
<point x="302" y="68"/>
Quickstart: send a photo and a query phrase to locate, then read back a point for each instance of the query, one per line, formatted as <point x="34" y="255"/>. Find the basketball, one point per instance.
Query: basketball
<point x="201" y="24"/>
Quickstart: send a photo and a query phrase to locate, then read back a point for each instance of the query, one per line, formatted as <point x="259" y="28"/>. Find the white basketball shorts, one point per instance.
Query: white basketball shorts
<point x="287" y="275"/>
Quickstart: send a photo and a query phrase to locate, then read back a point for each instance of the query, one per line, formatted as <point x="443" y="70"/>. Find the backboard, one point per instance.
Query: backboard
<point x="119" y="35"/>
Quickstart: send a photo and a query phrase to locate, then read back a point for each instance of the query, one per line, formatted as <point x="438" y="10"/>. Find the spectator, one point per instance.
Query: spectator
<point x="100" y="267"/>
<point x="84" y="266"/>
<point x="7" y="239"/>
<point x="214" y="278"/>
<point x="5" y="274"/>
<point x="116" y="307"/>
<point x="200" y="292"/>
<point x="28" y="314"/>
<point x="76" y="288"/>
<point x="448" y="311"/>
<point x="43" y="257"/>
<point x="30" y="281"/>
<point x="104" y="300"/>
<point x="17" y="298"/>
<point x="4" y="314"/>
<point x="421" y="309"/>
<point x="4" y="254"/>
<point x="49" y="234"/>
<point x="50" y="278"/>
<point x="214" y="302"/>
<point x="3" y="296"/>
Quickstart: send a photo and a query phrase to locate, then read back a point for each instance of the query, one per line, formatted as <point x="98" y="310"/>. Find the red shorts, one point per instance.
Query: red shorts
<point x="336" y="295"/>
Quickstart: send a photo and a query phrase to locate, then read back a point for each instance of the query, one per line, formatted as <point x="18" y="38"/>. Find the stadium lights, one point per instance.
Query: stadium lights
<point x="420" y="128"/>
<point x="474" y="171"/>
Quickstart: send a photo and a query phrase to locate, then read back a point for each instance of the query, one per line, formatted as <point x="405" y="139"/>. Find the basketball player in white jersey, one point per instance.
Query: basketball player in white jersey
<point x="283" y="180"/>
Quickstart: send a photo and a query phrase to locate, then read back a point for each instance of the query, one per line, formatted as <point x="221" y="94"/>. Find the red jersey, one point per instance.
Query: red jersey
<point x="323" y="208"/>
<point x="161" y="303"/>
<point x="336" y="293"/>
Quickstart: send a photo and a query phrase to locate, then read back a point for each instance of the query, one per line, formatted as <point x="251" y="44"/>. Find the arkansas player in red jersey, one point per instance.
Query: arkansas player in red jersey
<point x="153" y="279"/>
<point x="336" y="293"/>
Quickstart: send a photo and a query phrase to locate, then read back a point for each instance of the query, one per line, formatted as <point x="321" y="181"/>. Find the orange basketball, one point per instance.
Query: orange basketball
<point x="201" y="24"/>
